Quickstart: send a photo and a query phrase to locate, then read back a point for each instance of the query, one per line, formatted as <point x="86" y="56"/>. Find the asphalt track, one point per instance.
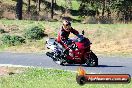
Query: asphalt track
<point x="115" y="65"/>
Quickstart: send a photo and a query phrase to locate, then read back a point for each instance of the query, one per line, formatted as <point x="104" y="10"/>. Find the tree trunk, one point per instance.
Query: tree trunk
<point x="103" y="10"/>
<point x="55" y="4"/>
<point x="38" y="5"/>
<point x="108" y="9"/>
<point x="19" y="9"/>
<point x="28" y="6"/>
<point x="52" y="9"/>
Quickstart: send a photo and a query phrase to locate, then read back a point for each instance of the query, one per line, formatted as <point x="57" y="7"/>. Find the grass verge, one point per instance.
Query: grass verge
<point x="107" y="39"/>
<point x="49" y="78"/>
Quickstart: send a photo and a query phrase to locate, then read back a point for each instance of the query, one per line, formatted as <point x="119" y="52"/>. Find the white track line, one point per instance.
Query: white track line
<point x="11" y="65"/>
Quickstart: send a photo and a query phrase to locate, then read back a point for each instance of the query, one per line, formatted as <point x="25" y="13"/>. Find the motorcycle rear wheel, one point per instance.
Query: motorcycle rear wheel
<point x="62" y="61"/>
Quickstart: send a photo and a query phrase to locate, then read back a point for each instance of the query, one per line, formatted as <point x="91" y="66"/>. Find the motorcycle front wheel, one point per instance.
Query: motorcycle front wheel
<point x="92" y="60"/>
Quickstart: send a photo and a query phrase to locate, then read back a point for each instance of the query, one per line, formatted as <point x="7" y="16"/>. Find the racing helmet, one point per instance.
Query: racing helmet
<point x="67" y="25"/>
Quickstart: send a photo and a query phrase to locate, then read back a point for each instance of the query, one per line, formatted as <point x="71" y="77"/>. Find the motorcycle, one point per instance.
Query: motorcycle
<point x="78" y="52"/>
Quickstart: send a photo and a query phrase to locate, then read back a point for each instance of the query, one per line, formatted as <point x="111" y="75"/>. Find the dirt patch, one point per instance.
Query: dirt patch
<point x="9" y="15"/>
<point x="4" y="71"/>
<point x="12" y="28"/>
<point x="2" y="26"/>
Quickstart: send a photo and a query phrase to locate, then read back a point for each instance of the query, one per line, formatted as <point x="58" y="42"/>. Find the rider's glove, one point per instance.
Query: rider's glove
<point x="80" y="37"/>
<point x="69" y="42"/>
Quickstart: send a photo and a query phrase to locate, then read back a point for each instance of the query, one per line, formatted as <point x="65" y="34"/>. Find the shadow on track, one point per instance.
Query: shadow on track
<point x="109" y="66"/>
<point x="87" y="66"/>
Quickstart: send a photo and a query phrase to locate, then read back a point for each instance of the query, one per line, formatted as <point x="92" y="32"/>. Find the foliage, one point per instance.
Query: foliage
<point x="6" y="39"/>
<point x="34" y="33"/>
<point x="119" y="10"/>
<point x="122" y="8"/>
<point x="2" y="31"/>
<point x="68" y="5"/>
<point x="17" y="40"/>
<point x="1" y="13"/>
<point x="12" y="40"/>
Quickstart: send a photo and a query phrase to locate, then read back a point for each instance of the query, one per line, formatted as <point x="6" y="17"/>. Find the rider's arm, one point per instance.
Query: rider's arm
<point x="75" y="32"/>
<point x="62" y="37"/>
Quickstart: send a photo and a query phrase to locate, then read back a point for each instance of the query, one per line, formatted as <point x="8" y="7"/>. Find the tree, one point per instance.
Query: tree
<point x="118" y="9"/>
<point x="123" y="10"/>
<point x="103" y="7"/>
<point x="88" y="7"/>
<point x="68" y="5"/>
<point x="19" y="9"/>
<point x="52" y="9"/>
<point x="38" y="5"/>
<point x="28" y="6"/>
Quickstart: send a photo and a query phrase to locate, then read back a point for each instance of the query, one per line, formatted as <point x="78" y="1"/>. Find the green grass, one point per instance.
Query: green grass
<point x="108" y="39"/>
<point x="2" y="47"/>
<point x="49" y="78"/>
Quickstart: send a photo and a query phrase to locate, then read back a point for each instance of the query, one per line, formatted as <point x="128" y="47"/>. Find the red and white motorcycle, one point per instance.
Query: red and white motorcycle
<point x="78" y="52"/>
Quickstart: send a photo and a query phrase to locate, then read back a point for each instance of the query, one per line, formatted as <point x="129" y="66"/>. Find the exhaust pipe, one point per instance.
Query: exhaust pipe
<point x="49" y="54"/>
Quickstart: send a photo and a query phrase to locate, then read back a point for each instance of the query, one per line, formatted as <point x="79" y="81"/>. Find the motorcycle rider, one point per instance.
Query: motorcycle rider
<point x="64" y="33"/>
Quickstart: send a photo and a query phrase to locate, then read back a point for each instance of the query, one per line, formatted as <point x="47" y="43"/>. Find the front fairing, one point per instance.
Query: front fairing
<point x="83" y="44"/>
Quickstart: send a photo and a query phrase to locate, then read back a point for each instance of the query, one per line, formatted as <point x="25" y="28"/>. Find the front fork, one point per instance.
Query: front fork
<point x="87" y="55"/>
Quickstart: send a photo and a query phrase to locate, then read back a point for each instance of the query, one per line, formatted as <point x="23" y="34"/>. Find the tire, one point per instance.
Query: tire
<point x="92" y="60"/>
<point x="80" y="80"/>
<point x="62" y="62"/>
